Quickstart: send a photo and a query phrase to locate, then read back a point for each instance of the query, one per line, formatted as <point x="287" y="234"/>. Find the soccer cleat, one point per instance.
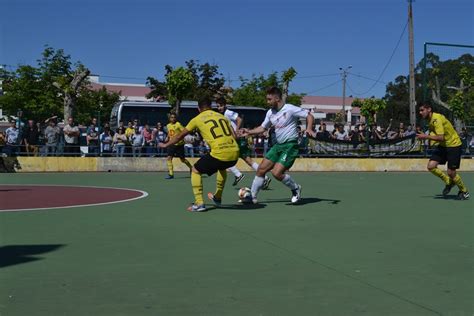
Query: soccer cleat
<point x="463" y="195"/>
<point x="296" y="194"/>
<point x="447" y="189"/>
<point x="238" y="179"/>
<point x="215" y="200"/>
<point x="248" y="200"/>
<point x="266" y="183"/>
<point x="196" y="208"/>
<point x="169" y="177"/>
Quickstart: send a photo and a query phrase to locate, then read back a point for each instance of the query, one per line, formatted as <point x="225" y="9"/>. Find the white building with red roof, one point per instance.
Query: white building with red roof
<point x="326" y="108"/>
<point x="127" y="91"/>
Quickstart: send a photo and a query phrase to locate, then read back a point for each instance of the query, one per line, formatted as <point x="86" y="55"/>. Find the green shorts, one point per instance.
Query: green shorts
<point x="244" y="148"/>
<point x="284" y="154"/>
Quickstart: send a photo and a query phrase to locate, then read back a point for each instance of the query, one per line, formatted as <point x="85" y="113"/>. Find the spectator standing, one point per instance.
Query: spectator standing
<point x="12" y="137"/>
<point x="106" y="142"/>
<point x="189" y="145"/>
<point x="119" y="141"/>
<point x="340" y="133"/>
<point x="92" y="138"/>
<point x="159" y="136"/>
<point x="148" y="140"/>
<point x="322" y="133"/>
<point x="51" y="134"/>
<point x="32" y="133"/>
<point x="137" y="141"/>
<point x="71" y="138"/>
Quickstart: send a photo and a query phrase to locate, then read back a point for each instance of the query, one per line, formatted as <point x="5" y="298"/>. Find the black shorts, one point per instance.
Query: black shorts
<point x="209" y="165"/>
<point x="452" y="155"/>
<point x="176" y="151"/>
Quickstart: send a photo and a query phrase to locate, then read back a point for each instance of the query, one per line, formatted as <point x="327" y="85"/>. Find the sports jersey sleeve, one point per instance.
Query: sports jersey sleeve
<point x="266" y="122"/>
<point x="299" y="112"/>
<point x="191" y="125"/>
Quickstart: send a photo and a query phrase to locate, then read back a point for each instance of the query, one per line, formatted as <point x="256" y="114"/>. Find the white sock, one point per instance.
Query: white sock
<point x="235" y="171"/>
<point x="254" y="166"/>
<point x="289" y="182"/>
<point x="257" y="184"/>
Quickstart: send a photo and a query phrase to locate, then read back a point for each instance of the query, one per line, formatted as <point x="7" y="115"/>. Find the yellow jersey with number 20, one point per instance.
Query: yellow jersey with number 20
<point x="216" y="130"/>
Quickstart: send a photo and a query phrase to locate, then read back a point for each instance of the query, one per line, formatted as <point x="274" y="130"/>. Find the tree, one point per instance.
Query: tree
<point x="178" y="83"/>
<point x="252" y="91"/>
<point x="369" y="108"/>
<point x="95" y="103"/>
<point x="55" y="86"/>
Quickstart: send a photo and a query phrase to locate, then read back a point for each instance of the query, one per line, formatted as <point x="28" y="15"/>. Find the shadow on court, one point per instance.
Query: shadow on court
<point x="305" y="201"/>
<point x="17" y="254"/>
<point x="13" y="190"/>
<point x="442" y="197"/>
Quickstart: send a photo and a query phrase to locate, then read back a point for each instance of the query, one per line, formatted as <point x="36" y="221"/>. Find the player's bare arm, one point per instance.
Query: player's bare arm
<point x="255" y="131"/>
<point x="175" y="139"/>
<point x="436" y="138"/>
<point x="310" y="126"/>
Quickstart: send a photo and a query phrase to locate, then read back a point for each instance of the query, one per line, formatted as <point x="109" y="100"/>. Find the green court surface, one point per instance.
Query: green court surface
<point x="358" y="244"/>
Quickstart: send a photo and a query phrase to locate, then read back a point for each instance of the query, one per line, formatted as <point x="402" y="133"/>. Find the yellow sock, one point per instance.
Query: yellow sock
<point x="187" y="163"/>
<point x="458" y="181"/>
<point x="220" y="182"/>
<point x="440" y="174"/>
<point x="170" y="167"/>
<point x="196" y="183"/>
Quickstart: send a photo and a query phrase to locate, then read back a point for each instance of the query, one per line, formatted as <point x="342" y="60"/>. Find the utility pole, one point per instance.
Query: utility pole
<point x="412" y="66"/>
<point x="344" y="78"/>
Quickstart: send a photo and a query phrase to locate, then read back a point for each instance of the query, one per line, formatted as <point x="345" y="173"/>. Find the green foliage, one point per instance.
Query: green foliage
<point x="158" y="89"/>
<point x="252" y="92"/>
<point x="178" y="83"/>
<point x="370" y="107"/>
<point x="461" y="102"/>
<point x="93" y="102"/>
<point x="39" y="91"/>
<point x="289" y="75"/>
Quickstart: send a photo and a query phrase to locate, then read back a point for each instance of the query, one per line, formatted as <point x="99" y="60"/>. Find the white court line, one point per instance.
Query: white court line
<point x="144" y="194"/>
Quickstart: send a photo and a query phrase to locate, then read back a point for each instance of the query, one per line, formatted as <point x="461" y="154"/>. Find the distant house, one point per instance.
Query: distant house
<point x="128" y="91"/>
<point x="326" y="108"/>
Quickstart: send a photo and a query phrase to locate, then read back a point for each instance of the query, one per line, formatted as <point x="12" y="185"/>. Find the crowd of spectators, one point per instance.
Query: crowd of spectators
<point x="135" y="140"/>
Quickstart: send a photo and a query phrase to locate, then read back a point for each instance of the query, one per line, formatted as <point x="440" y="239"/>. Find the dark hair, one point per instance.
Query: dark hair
<point x="274" y="91"/>
<point x="425" y="105"/>
<point x="204" y="102"/>
<point x="221" y="100"/>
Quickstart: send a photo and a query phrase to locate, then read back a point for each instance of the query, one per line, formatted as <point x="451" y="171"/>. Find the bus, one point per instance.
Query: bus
<point x="154" y="112"/>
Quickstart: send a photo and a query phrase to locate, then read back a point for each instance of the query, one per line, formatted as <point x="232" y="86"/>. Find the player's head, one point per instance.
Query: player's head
<point x="274" y="96"/>
<point x="425" y="110"/>
<point x="204" y="104"/>
<point x="221" y="104"/>
<point x="173" y="117"/>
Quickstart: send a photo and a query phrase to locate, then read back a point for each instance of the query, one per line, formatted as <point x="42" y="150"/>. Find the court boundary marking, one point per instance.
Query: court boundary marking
<point x="144" y="194"/>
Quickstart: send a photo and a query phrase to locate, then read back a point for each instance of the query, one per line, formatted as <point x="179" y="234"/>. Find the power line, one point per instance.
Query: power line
<point x="388" y="62"/>
<point x="325" y="87"/>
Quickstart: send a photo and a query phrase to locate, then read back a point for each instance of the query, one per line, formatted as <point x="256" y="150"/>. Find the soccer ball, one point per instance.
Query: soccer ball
<point x="245" y="193"/>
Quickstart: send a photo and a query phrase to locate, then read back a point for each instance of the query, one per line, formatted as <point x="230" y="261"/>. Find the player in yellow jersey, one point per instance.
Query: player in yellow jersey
<point x="177" y="150"/>
<point x="217" y="131"/>
<point x="448" y="150"/>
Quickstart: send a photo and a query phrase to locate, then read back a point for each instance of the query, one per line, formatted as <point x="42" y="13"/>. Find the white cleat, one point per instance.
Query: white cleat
<point x="296" y="195"/>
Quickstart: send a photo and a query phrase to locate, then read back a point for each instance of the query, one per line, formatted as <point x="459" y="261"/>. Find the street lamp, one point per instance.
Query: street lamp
<point x="344" y="77"/>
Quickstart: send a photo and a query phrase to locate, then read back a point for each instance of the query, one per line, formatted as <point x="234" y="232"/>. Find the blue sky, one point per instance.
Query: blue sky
<point x="130" y="40"/>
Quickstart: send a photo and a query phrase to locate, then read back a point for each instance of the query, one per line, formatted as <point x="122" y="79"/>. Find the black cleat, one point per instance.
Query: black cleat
<point x="463" y="195"/>
<point x="238" y="179"/>
<point x="266" y="183"/>
<point x="447" y="189"/>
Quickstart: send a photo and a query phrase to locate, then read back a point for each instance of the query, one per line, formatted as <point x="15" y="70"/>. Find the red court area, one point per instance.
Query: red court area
<point x="36" y="197"/>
